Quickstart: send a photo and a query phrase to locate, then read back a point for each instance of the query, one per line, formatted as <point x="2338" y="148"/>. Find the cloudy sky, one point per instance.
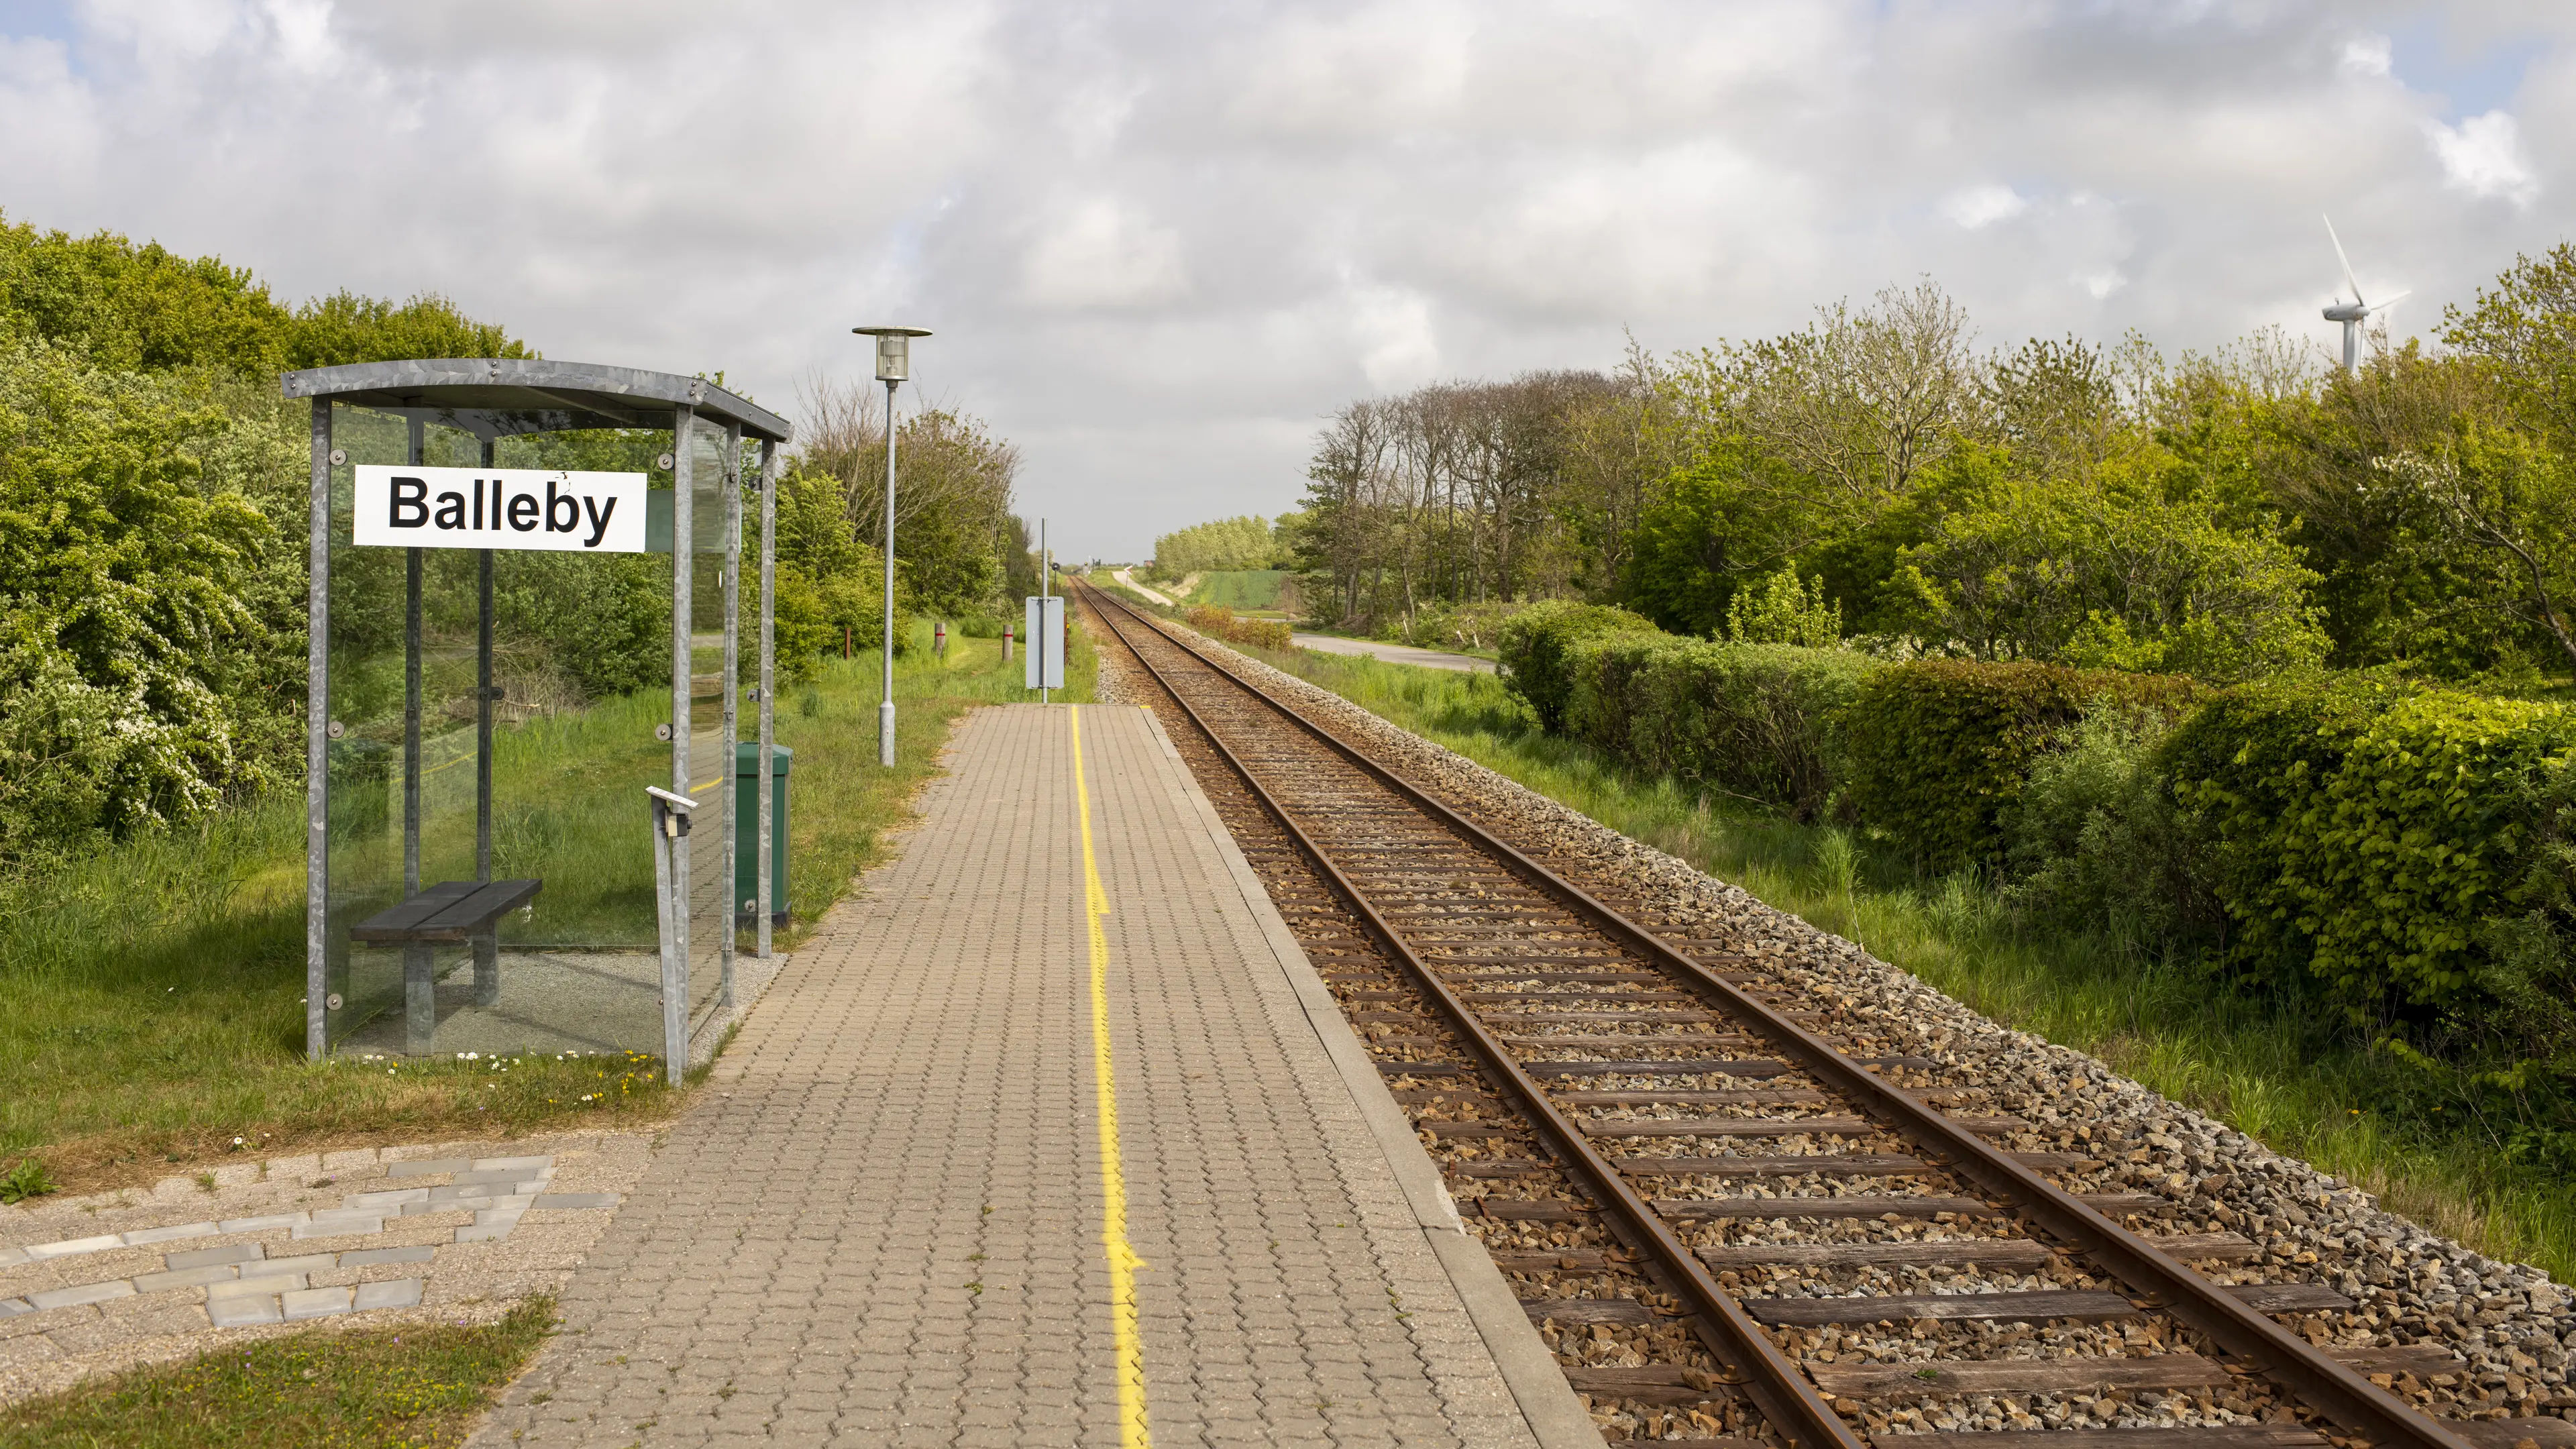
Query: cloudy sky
<point x="1159" y="241"/>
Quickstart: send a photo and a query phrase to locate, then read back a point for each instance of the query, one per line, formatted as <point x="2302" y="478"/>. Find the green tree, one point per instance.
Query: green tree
<point x="1248" y="542"/>
<point x="2111" y="573"/>
<point x="2512" y="495"/>
<point x="125" y="635"/>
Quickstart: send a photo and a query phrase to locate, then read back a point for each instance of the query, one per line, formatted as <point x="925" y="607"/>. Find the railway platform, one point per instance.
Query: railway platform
<point x="1051" y="1136"/>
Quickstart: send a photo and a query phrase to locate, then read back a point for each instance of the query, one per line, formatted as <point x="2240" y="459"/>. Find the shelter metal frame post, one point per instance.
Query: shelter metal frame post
<point x="487" y="945"/>
<point x="768" y="674"/>
<point x="729" y="788"/>
<point x="420" y="980"/>
<point x="317" y="747"/>
<point x="675" y="889"/>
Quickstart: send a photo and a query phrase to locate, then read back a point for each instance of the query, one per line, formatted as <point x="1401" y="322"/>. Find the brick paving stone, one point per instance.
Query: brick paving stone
<point x="879" y="1222"/>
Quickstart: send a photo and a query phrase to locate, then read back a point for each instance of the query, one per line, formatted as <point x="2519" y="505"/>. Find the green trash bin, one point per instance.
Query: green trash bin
<point x="746" y="837"/>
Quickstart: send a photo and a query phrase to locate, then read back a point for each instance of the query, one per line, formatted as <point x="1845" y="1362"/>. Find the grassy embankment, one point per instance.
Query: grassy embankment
<point x="416" y="1387"/>
<point x="2301" y="1088"/>
<point x="151" y="995"/>
<point x="1246" y="591"/>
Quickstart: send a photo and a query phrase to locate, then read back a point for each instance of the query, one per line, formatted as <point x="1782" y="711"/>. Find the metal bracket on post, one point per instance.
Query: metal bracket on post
<point x="670" y="822"/>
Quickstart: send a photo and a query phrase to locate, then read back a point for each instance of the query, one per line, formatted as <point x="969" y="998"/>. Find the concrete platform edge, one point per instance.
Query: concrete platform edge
<point x="1555" y="1416"/>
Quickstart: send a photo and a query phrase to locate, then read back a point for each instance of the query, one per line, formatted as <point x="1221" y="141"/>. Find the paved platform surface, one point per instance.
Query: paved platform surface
<point x="1393" y="653"/>
<point x="882" y="1223"/>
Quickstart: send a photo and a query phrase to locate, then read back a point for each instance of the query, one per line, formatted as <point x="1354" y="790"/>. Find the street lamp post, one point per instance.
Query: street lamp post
<point x="894" y="364"/>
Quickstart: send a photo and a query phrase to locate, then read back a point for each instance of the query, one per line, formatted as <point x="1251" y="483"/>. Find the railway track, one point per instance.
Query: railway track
<point x="1731" y="1217"/>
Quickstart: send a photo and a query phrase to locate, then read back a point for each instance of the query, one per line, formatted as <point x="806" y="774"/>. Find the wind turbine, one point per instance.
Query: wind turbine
<point x="2355" y="312"/>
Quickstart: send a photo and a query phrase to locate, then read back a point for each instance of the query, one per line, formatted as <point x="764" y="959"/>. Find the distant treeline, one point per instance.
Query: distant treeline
<point x="1250" y="542"/>
<point x="2223" y="516"/>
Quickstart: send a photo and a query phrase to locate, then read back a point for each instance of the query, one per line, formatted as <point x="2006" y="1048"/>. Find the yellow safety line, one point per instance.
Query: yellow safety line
<point x="1123" y="1261"/>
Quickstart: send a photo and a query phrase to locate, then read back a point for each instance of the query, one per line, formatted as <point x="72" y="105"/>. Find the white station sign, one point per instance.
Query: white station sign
<point x="522" y="508"/>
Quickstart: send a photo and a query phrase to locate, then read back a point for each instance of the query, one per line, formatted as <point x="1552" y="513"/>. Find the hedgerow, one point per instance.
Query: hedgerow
<point x="1536" y="645"/>
<point x="1758" y="721"/>
<point x="1219" y="620"/>
<point x="1936" y="750"/>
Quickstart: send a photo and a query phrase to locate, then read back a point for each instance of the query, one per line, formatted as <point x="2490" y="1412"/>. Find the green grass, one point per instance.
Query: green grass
<point x="151" y="994"/>
<point x="2263" y="1066"/>
<point x="1241" y="590"/>
<point x="397" y="1388"/>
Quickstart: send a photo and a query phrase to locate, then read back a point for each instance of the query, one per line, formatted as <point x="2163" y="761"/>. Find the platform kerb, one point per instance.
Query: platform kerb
<point x="881" y="1222"/>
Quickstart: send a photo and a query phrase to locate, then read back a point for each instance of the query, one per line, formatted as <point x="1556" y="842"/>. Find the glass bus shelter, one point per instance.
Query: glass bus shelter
<point x="526" y="609"/>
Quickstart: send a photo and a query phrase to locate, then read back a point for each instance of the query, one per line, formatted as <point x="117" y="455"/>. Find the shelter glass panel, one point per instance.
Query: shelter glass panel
<point x="493" y="719"/>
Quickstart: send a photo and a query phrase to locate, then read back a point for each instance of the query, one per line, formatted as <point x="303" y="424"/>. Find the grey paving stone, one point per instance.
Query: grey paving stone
<point x="302" y="1263"/>
<point x="430" y="1168"/>
<point x="168" y="1235"/>
<point x="254" y="1287"/>
<point x="243" y="1310"/>
<point x="270" y="1223"/>
<point x="497" y="1176"/>
<point x="315" y="1303"/>
<point x="70" y="1247"/>
<point x="187" y="1278"/>
<point x="204" y="1257"/>
<point x="369" y="1257"/>
<point x="577" y="1200"/>
<point x="400" y="1293"/>
<point x="12" y="1307"/>
<point x="78" y="1294"/>
<point x="393" y="1197"/>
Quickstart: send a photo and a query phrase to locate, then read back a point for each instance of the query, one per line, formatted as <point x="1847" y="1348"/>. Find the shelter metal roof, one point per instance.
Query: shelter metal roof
<point x="497" y="396"/>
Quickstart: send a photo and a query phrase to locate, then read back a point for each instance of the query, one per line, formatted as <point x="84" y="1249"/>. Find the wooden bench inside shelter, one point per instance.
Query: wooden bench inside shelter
<point x="451" y="912"/>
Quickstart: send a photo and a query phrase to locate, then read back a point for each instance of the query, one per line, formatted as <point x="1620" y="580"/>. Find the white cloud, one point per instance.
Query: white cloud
<point x="2366" y="55"/>
<point x="1099" y="255"/>
<point x="1976" y="206"/>
<point x="1392" y="327"/>
<point x="1257" y="211"/>
<point x="2483" y="157"/>
<point x="2101" y="284"/>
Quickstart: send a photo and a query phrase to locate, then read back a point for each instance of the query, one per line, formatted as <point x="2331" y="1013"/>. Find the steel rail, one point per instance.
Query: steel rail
<point x="1770" y="1379"/>
<point x="2330" y="1386"/>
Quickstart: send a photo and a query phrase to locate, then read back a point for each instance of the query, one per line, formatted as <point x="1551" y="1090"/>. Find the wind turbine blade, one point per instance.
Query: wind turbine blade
<point x="2391" y="302"/>
<point x="2339" y="256"/>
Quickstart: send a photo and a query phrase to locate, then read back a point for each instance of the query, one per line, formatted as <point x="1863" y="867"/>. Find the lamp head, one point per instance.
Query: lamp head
<point x="894" y="351"/>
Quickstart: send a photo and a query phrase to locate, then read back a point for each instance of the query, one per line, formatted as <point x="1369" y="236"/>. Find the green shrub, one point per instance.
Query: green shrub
<point x="2092" y="842"/>
<point x="1534" y="645"/>
<point x="1450" y="626"/>
<point x="1782" y="610"/>
<point x="1220" y="621"/>
<point x="1937" y="750"/>
<point x="2363" y="834"/>
<point x="1760" y="721"/>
